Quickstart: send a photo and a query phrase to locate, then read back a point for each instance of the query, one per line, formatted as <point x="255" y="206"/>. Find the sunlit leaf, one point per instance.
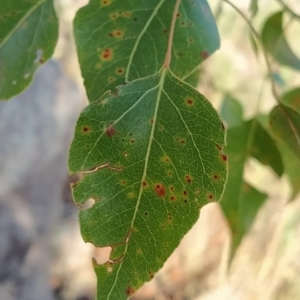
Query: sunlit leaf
<point x="119" y="41"/>
<point x="274" y="41"/>
<point x="151" y="157"/>
<point x="285" y="124"/>
<point x="240" y="202"/>
<point x="28" y="34"/>
<point x="231" y="111"/>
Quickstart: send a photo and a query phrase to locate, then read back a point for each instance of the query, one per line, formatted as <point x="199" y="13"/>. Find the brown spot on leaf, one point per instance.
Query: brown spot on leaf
<point x="172" y="189"/>
<point x="216" y="177"/>
<point x="189" y="102"/>
<point x="160" y="190"/>
<point x="120" y="71"/>
<point x="210" y="197"/>
<point x="204" y="54"/>
<point x="105" y="2"/>
<point x="144" y="184"/>
<point x="129" y="291"/>
<point x="106" y="54"/>
<point x="172" y="198"/>
<point x="224" y="157"/>
<point x="188" y="178"/>
<point x="117" y="33"/>
<point x="86" y="129"/>
<point x="111" y="79"/>
<point x="184" y="193"/>
<point x="110" y="131"/>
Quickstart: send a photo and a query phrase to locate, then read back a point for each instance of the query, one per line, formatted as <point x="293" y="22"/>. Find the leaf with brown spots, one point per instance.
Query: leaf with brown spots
<point x="28" y="35"/>
<point x="132" y="36"/>
<point x="152" y="194"/>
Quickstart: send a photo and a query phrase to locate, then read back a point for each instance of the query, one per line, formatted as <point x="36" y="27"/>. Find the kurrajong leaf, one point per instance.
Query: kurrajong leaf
<point x="274" y="41"/>
<point x="240" y="201"/>
<point x="151" y="157"/>
<point x="119" y="41"/>
<point x="285" y="124"/>
<point x="28" y="35"/>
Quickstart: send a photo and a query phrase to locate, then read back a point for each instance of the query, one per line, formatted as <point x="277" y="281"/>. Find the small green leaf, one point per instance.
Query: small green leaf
<point x="285" y="124"/>
<point x="275" y="43"/>
<point x="28" y="35"/>
<point x="240" y="202"/>
<point x="119" y="41"/>
<point x="292" y="99"/>
<point x="252" y="201"/>
<point x="265" y="150"/>
<point x="151" y="156"/>
<point x="231" y="111"/>
<point x="253" y="7"/>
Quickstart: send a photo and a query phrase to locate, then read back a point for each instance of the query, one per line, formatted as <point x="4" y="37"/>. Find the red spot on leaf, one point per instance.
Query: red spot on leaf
<point x="160" y="190"/>
<point x="204" y="54"/>
<point x="110" y="131"/>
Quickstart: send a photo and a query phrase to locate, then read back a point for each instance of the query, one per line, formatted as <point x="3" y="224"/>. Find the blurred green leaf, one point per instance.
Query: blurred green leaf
<point x="253" y="7"/>
<point x="285" y="124"/>
<point x="292" y="99"/>
<point x="28" y="35"/>
<point x="274" y="41"/>
<point x="240" y="202"/>
<point x="127" y="40"/>
<point x="231" y="111"/>
<point x="291" y="168"/>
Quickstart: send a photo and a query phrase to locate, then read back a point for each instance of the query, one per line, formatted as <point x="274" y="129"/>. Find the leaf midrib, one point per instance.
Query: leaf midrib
<point x="21" y="21"/>
<point x="151" y="138"/>
<point x="140" y="36"/>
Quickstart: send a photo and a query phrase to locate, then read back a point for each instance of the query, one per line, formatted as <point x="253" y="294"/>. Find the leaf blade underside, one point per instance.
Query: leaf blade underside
<point x="161" y="153"/>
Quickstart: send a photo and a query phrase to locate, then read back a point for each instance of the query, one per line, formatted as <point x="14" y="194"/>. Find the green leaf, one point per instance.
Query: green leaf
<point x="241" y="202"/>
<point x="119" y="41"/>
<point x="150" y="155"/>
<point x="292" y="99"/>
<point x="275" y="43"/>
<point x="291" y="168"/>
<point x="231" y="111"/>
<point x="28" y="35"/>
<point x="285" y="124"/>
<point x="253" y="7"/>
